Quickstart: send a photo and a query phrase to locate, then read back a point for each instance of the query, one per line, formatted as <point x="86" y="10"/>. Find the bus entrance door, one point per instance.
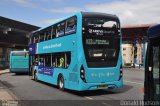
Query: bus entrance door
<point x="152" y="83"/>
<point x="155" y="74"/>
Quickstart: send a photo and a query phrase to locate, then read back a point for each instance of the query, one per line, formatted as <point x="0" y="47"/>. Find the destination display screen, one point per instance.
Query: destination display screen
<point x="92" y="41"/>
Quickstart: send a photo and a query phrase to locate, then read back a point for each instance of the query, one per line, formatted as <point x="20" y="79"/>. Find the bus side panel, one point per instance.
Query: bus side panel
<point x="74" y="68"/>
<point x="54" y="79"/>
<point x="74" y="78"/>
<point x="66" y="43"/>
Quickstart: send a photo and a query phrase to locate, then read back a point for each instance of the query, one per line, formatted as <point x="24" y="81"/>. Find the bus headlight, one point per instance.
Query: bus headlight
<point x="82" y="74"/>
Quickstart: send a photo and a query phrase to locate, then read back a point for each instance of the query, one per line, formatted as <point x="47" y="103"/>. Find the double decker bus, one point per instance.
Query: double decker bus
<point x="80" y="52"/>
<point x="152" y="66"/>
<point x="19" y="62"/>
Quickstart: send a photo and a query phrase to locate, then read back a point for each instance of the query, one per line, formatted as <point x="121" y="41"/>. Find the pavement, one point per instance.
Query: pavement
<point x="5" y="93"/>
<point x="4" y="71"/>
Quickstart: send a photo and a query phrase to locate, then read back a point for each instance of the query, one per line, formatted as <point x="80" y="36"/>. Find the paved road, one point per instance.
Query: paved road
<point x="26" y="89"/>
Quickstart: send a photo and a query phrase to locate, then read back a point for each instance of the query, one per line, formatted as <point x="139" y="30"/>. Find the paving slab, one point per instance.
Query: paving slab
<point x="4" y="71"/>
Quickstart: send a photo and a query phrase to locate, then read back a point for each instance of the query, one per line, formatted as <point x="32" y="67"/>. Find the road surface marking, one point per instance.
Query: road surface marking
<point x="106" y="104"/>
<point x="88" y="98"/>
<point x="134" y="82"/>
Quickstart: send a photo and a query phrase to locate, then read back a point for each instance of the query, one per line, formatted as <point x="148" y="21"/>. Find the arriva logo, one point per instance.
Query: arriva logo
<point x="95" y="31"/>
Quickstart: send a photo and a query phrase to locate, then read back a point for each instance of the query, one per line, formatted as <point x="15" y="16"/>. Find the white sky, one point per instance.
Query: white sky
<point x="131" y="11"/>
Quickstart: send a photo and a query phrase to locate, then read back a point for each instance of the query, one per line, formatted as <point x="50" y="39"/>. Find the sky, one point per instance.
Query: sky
<point x="45" y="12"/>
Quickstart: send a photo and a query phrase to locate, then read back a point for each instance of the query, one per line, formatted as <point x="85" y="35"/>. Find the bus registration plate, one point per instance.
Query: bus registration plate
<point x="102" y="86"/>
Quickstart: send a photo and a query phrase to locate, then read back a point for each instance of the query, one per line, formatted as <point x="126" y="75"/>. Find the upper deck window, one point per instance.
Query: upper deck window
<point x="31" y="39"/>
<point x="48" y="33"/>
<point x="53" y="32"/>
<point x="71" y="25"/>
<point x="60" y="29"/>
<point x="36" y="39"/>
<point x="41" y="37"/>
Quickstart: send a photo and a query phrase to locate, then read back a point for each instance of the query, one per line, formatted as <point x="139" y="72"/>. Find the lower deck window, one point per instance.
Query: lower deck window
<point x="58" y="60"/>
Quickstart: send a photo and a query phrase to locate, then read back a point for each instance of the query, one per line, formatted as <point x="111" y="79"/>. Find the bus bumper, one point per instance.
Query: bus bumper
<point x="97" y="86"/>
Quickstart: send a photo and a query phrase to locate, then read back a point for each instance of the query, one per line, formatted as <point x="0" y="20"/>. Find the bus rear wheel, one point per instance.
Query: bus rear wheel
<point x="61" y="83"/>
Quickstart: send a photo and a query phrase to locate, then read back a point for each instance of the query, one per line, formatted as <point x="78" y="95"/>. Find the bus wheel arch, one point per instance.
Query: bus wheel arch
<point x="60" y="82"/>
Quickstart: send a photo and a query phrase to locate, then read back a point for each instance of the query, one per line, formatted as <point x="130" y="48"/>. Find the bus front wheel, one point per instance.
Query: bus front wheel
<point x="61" y="83"/>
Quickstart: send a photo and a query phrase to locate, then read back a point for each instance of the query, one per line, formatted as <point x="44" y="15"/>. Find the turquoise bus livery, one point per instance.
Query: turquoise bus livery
<point x="19" y="62"/>
<point x="80" y="52"/>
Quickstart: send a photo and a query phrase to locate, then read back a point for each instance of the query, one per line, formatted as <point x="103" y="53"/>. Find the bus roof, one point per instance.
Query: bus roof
<point x="154" y="31"/>
<point x="98" y="15"/>
<point x="84" y="14"/>
<point x="61" y="19"/>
